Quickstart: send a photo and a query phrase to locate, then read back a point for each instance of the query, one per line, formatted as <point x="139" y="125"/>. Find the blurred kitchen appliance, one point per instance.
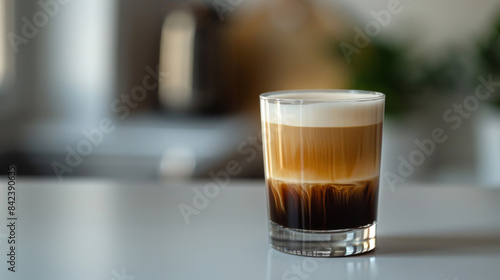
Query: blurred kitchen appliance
<point x="192" y="60"/>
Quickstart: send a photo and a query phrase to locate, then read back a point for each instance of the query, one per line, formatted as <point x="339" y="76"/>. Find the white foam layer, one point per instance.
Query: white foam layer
<point x="324" y="110"/>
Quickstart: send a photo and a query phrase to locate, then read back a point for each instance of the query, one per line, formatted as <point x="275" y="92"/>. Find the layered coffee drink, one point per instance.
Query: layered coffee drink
<point x="322" y="160"/>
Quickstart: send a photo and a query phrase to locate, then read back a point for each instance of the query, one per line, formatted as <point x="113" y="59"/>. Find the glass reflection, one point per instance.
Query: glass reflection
<point x="284" y="266"/>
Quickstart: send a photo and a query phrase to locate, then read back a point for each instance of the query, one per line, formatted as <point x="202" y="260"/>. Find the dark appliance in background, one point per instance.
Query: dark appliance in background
<point x="186" y="42"/>
<point x="196" y="101"/>
<point x="194" y="58"/>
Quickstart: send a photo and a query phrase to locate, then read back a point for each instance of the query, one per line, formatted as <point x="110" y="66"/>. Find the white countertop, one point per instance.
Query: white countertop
<point x="93" y="229"/>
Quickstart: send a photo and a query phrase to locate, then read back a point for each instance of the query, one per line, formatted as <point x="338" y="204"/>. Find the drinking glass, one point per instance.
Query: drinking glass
<point x="322" y="152"/>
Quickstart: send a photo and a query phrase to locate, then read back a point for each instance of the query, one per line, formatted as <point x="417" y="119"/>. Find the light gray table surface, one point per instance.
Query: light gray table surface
<point x="101" y="229"/>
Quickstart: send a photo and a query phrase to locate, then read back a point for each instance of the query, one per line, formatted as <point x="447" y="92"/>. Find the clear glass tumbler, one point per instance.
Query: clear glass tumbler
<point x="322" y="153"/>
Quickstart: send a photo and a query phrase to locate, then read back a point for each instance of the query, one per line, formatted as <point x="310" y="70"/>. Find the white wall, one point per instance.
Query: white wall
<point x="435" y="24"/>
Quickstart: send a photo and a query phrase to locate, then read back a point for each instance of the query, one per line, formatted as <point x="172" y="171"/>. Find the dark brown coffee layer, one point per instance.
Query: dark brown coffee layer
<point x="323" y="206"/>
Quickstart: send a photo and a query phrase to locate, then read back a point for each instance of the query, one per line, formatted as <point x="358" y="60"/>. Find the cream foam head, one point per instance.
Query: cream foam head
<point x="323" y="108"/>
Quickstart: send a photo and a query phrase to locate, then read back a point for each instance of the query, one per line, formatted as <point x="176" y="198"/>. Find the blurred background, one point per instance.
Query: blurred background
<point x="168" y="90"/>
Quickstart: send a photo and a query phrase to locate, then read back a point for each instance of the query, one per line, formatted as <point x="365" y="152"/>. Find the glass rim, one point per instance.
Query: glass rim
<point x="278" y="95"/>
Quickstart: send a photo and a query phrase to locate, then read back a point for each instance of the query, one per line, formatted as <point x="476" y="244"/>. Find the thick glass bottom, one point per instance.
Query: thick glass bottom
<point x="323" y="243"/>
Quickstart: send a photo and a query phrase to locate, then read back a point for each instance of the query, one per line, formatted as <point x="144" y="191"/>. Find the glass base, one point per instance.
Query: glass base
<point x="323" y="243"/>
